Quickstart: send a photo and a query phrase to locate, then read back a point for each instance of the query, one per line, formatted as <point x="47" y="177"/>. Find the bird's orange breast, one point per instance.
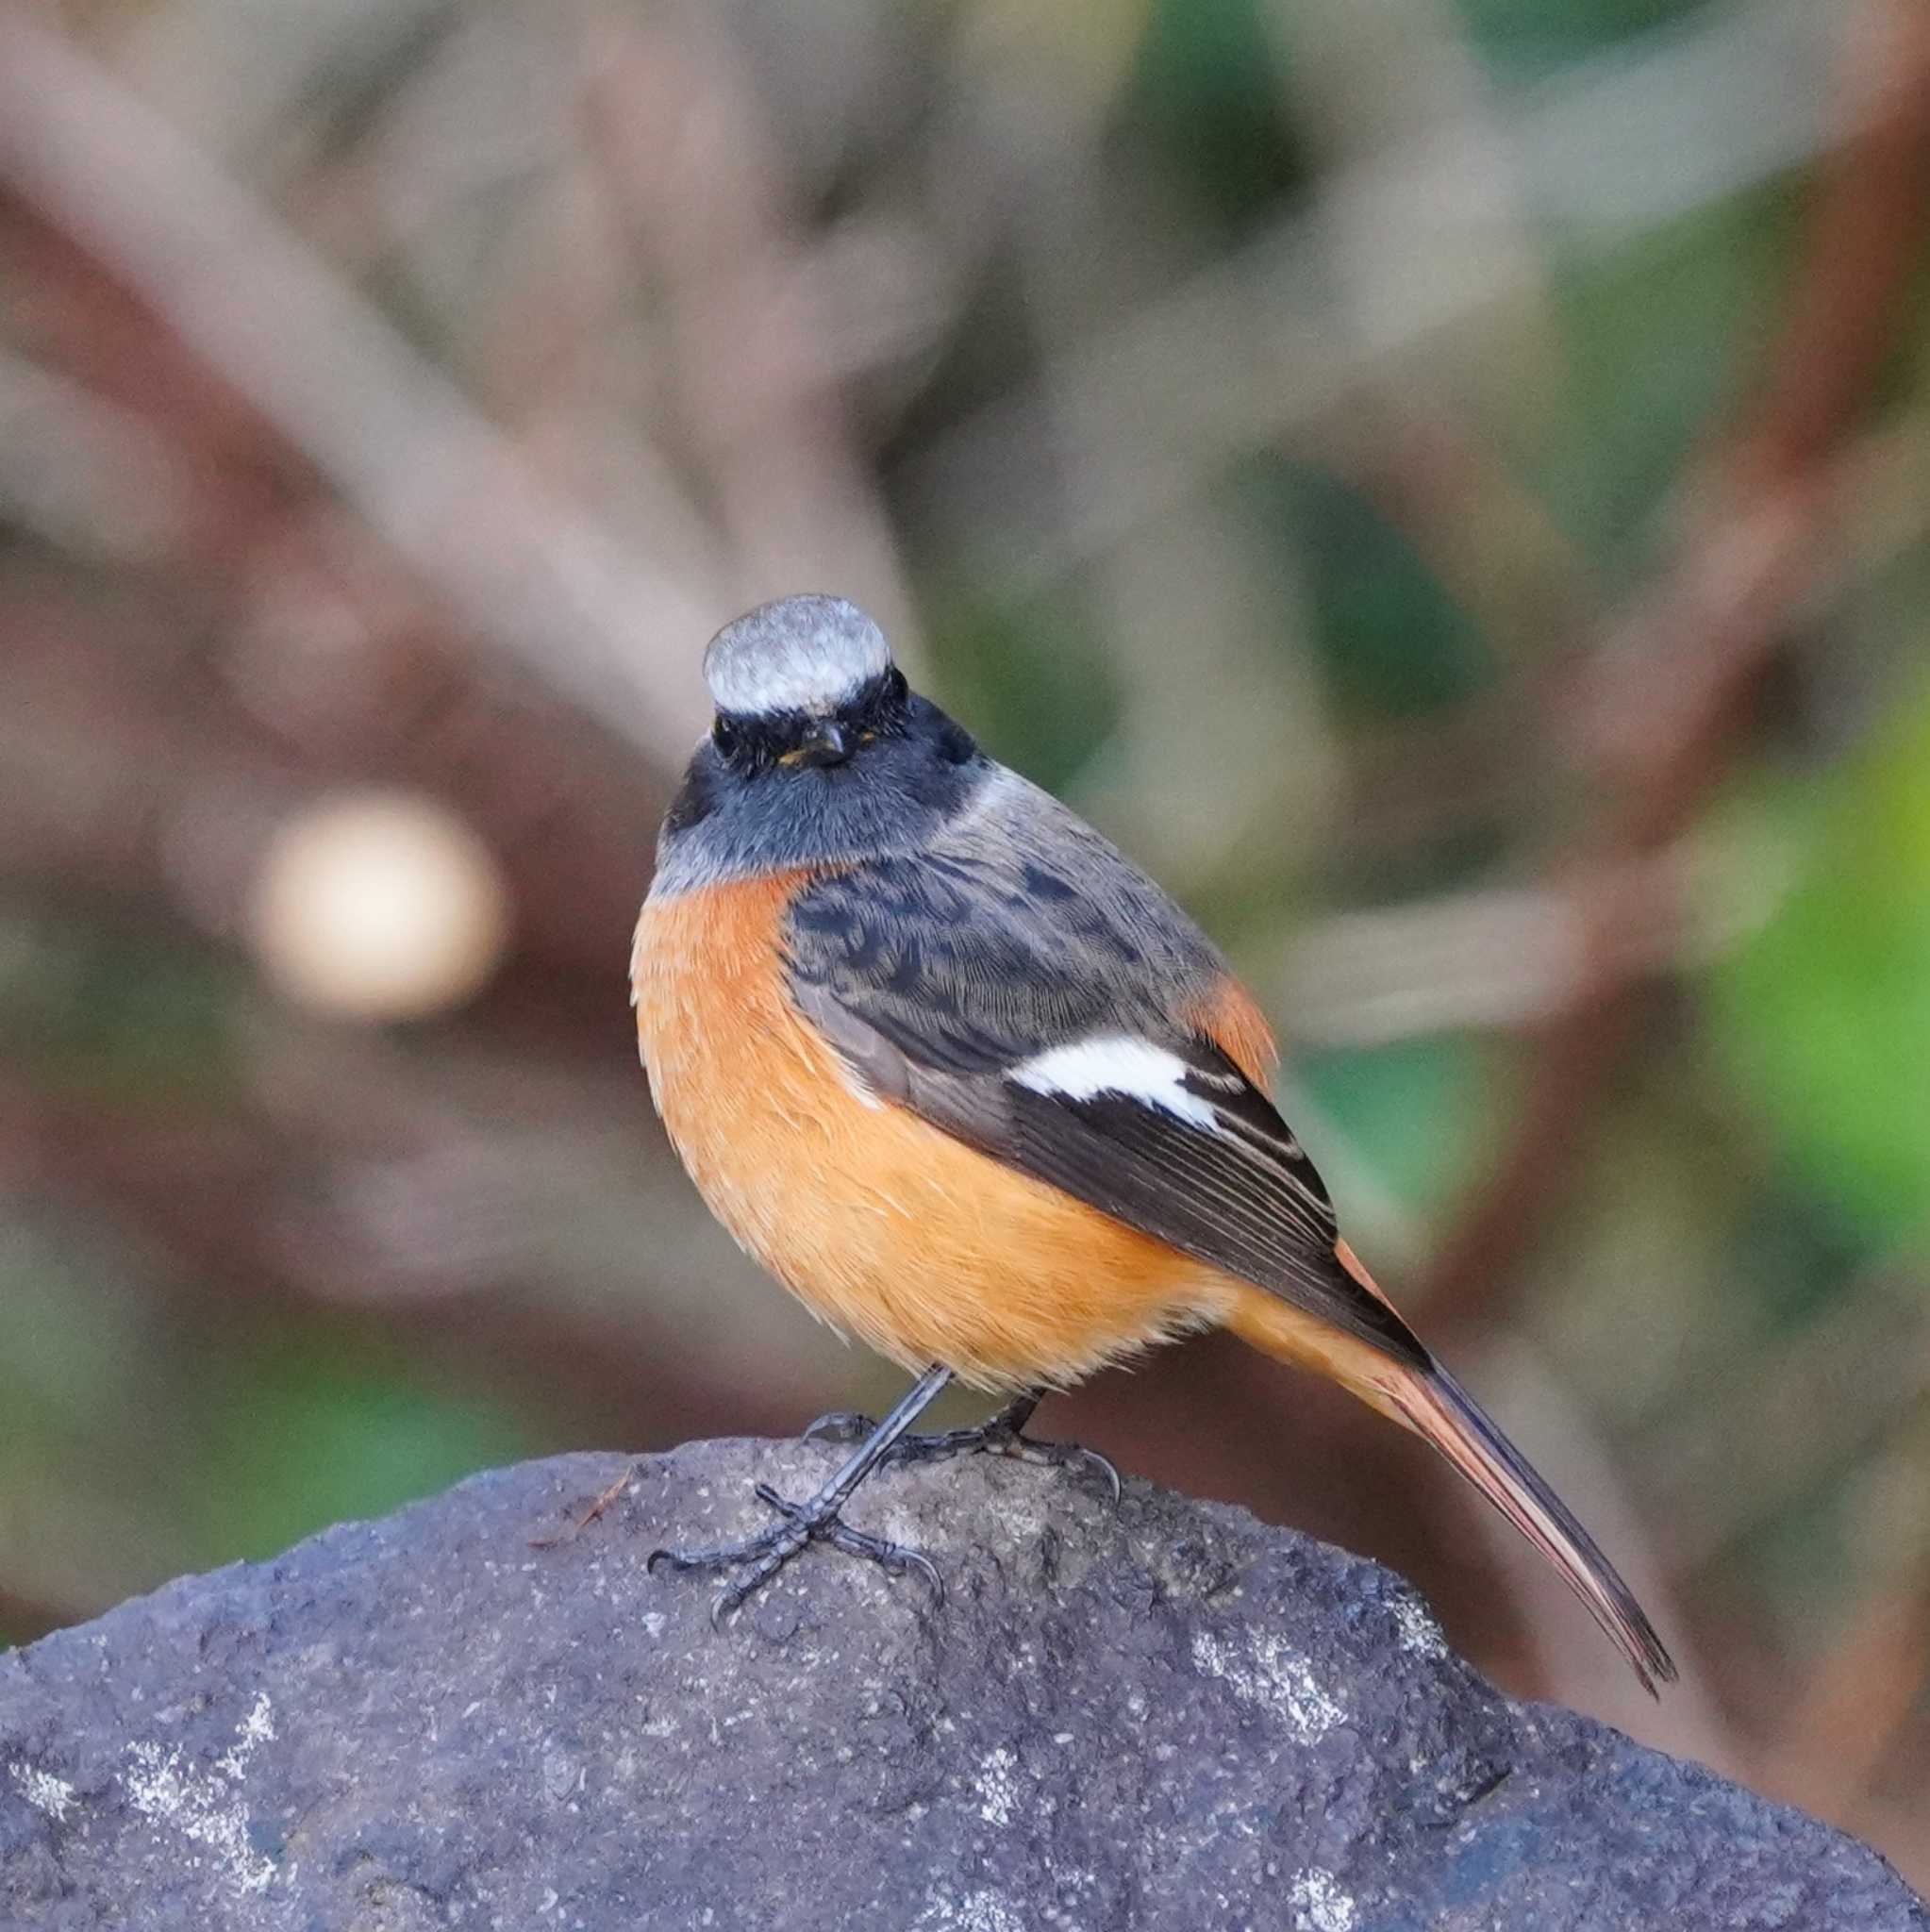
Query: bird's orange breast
<point x="887" y="1229"/>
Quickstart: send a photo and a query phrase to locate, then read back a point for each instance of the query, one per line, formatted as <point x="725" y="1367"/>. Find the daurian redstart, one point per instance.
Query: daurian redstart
<point x="974" y="1089"/>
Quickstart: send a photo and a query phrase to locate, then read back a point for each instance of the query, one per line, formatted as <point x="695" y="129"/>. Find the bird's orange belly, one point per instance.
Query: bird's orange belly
<point x="886" y="1227"/>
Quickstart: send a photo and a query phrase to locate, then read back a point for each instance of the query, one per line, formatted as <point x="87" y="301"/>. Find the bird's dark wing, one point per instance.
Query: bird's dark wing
<point x="1028" y="991"/>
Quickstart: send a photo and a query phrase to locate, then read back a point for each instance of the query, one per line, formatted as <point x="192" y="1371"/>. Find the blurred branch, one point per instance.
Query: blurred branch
<point x="1859" y="1701"/>
<point x="345" y="1180"/>
<point x="1663" y="695"/>
<point x="1494" y="546"/>
<point x="530" y="572"/>
<point x="144" y="777"/>
<point x="1243" y="352"/>
<point x="1853" y="1373"/>
<point x="1511" y="956"/>
<point x="755" y="383"/>
<point x="81" y="472"/>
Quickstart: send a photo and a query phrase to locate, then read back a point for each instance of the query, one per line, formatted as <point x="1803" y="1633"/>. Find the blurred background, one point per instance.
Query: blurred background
<point x="1445" y="483"/>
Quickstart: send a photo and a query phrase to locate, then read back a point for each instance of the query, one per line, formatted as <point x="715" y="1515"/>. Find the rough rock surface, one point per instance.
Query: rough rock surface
<point x="1168" y="1717"/>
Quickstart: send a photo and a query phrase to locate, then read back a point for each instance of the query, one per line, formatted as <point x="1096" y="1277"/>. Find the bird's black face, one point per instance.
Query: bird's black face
<point x="877" y="771"/>
<point x="754" y="744"/>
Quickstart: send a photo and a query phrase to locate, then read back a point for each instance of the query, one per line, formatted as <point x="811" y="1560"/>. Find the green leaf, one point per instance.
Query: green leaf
<point x="1823" y="1013"/>
<point x="1206" y="97"/>
<point x="1030" y="677"/>
<point x="1531" y="39"/>
<point x="1391" y="641"/>
<point x="310" y="1431"/>
<point x="1416" y="1111"/>
<point x="114" y="1012"/>
<point x="1657" y="333"/>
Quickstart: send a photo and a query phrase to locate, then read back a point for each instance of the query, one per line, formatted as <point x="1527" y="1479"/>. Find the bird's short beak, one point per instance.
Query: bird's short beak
<point x="823" y="744"/>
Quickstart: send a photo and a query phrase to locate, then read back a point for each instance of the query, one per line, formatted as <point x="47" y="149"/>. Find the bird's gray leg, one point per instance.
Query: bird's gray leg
<point x="1001" y="1434"/>
<point x="763" y="1555"/>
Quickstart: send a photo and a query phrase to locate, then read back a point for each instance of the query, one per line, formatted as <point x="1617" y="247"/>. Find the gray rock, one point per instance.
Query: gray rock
<point x="1168" y="1717"/>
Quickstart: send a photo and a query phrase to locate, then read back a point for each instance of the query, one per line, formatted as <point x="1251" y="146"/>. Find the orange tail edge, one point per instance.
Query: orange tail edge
<point x="1437" y="1408"/>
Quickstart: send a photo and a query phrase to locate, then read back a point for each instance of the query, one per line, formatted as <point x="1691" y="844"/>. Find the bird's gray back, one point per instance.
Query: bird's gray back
<point x="1016" y="928"/>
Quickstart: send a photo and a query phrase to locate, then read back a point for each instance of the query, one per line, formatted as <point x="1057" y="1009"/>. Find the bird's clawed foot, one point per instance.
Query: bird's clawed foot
<point x="761" y="1556"/>
<point x="998" y="1435"/>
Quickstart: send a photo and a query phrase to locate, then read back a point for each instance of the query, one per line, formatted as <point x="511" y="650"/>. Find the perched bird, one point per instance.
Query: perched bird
<point x="974" y="1089"/>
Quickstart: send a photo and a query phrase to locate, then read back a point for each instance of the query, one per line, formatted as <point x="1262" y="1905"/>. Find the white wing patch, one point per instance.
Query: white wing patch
<point x="1116" y="1063"/>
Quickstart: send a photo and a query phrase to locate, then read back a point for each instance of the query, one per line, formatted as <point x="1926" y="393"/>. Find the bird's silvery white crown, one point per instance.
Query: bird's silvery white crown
<point x="800" y="654"/>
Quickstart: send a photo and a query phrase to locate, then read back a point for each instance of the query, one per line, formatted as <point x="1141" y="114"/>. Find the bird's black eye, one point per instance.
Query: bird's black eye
<point x="895" y="686"/>
<point x="726" y="735"/>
